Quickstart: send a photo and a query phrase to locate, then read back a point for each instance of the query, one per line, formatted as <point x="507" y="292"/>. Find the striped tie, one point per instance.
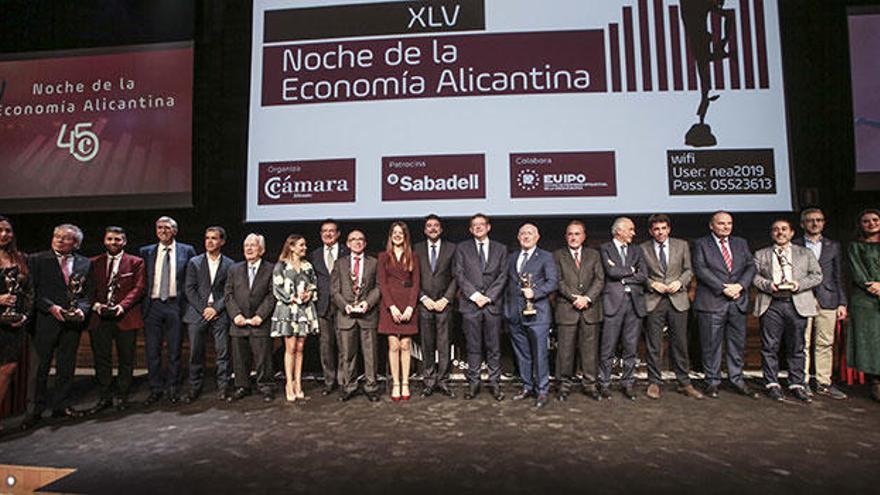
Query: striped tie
<point x="728" y="260"/>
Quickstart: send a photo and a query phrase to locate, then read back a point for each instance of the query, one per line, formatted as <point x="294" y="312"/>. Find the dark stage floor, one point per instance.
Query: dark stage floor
<point x="677" y="445"/>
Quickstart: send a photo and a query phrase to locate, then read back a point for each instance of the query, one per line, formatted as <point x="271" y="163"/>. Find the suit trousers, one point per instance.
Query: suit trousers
<point x="781" y="322"/>
<point x="162" y="326"/>
<point x="532" y="355"/>
<point x="434" y="333"/>
<point x="823" y="325"/>
<point x="349" y="341"/>
<point x="482" y="329"/>
<point x="665" y="315"/>
<point x="198" y="340"/>
<point x="249" y="352"/>
<point x="717" y="327"/>
<point x="330" y="356"/>
<point x="623" y="327"/>
<point x="61" y="342"/>
<point x="102" y="338"/>
<point x="580" y="339"/>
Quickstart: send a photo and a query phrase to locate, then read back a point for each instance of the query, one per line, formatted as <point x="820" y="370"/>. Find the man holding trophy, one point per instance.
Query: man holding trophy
<point x="116" y="316"/>
<point x="62" y="292"/>
<point x="533" y="276"/>
<point x="785" y="276"/>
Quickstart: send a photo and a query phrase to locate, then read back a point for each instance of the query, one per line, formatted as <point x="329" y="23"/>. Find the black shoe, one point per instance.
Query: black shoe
<point x="541" y="401"/>
<point x="472" y="392"/>
<point x="66" y="413"/>
<point x="524" y="394"/>
<point x="173" y="396"/>
<point x="831" y="392"/>
<point x="240" y="393"/>
<point x="122" y="404"/>
<point x="372" y="397"/>
<point x="711" y="391"/>
<point x="800" y="394"/>
<point x="591" y="391"/>
<point x="775" y="393"/>
<point x="100" y="406"/>
<point x="743" y="389"/>
<point x="268" y="395"/>
<point x="347" y="396"/>
<point x="427" y="391"/>
<point x="629" y="393"/>
<point x="224" y="394"/>
<point x="327" y="390"/>
<point x="562" y="396"/>
<point x="497" y="393"/>
<point x="153" y="398"/>
<point x="602" y="393"/>
<point x="30" y="421"/>
<point x="192" y="396"/>
<point x="445" y="390"/>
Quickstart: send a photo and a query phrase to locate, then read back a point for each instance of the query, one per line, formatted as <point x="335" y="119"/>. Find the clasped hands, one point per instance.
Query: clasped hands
<point x="733" y="291"/>
<point x="401" y="317"/>
<point x="662" y="288"/>
<point x="253" y="321"/>
<point x="435" y="305"/>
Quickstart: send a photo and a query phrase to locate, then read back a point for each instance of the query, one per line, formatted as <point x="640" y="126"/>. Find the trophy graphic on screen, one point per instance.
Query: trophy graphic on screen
<point x="75" y="288"/>
<point x="356" y="289"/>
<point x="785" y="265"/>
<point x="109" y="311"/>
<point x="525" y="282"/>
<point x="13" y="286"/>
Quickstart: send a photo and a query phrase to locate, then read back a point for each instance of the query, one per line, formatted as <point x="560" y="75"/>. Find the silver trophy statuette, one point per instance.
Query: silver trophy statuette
<point x="11" y="280"/>
<point x="356" y="289"/>
<point x="525" y="282"/>
<point x="75" y="287"/>
<point x="785" y="284"/>
<point x="109" y="311"/>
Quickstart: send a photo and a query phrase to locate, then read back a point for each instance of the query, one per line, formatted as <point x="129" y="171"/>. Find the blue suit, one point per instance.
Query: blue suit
<point x="162" y="319"/>
<point x="529" y="334"/>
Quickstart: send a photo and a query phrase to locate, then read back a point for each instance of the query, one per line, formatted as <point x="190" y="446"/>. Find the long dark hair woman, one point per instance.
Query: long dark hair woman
<point x="16" y="302"/>
<point x="863" y="340"/>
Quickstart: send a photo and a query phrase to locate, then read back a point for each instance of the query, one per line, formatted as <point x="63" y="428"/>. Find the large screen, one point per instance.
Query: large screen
<point x="864" y="52"/>
<point x="364" y="109"/>
<point x="96" y="129"/>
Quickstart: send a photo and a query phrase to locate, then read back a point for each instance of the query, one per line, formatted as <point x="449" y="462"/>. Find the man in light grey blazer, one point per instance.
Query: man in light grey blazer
<point x="785" y="277"/>
<point x="668" y="263"/>
<point x="355" y="292"/>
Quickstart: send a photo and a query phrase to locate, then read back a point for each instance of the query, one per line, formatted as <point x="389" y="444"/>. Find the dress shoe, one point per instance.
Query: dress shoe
<point x="743" y="389"/>
<point x="831" y="392"/>
<point x="153" y="398"/>
<point x="653" y="391"/>
<point x="800" y="394"/>
<point x="122" y="404"/>
<point x="524" y="394"/>
<point x="173" y="396"/>
<point x="67" y="412"/>
<point x="427" y="392"/>
<point x="775" y="393"/>
<point x="591" y="391"/>
<point x="192" y="396"/>
<point x="347" y="396"/>
<point x="268" y="395"/>
<point x="541" y="401"/>
<point x="562" y="396"/>
<point x="372" y="397"/>
<point x="240" y="393"/>
<point x="472" y="392"/>
<point x="497" y="394"/>
<point x="711" y="391"/>
<point x="30" y="421"/>
<point x="445" y="390"/>
<point x="602" y="393"/>
<point x="327" y="390"/>
<point x="690" y="391"/>
<point x="100" y="406"/>
<point x="629" y="392"/>
<point x="224" y="394"/>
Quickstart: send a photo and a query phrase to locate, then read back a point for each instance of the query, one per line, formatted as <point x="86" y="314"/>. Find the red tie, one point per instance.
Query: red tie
<point x="356" y="271"/>
<point x="64" y="270"/>
<point x="728" y="260"/>
<point x="577" y="258"/>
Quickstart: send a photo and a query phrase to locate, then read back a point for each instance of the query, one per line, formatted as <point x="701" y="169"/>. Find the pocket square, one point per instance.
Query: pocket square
<point x="611" y="263"/>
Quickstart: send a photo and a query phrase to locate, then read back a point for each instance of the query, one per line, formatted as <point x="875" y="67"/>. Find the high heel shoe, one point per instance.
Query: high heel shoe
<point x="289" y="394"/>
<point x="395" y="392"/>
<point x="404" y="391"/>
<point x="300" y="394"/>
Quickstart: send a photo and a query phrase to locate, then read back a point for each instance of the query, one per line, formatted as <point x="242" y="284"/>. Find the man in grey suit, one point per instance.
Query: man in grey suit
<point x="249" y="304"/>
<point x="831" y="295"/>
<point x="578" y="310"/>
<point x="724" y="267"/>
<point x="355" y="292"/>
<point x="668" y="263"/>
<point x="205" y="313"/>
<point x="323" y="259"/>
<point x="623" y="303"/>
<point x="436" y="259"/>
<point x="481" y="273"/>
<point x="785" y="277"/>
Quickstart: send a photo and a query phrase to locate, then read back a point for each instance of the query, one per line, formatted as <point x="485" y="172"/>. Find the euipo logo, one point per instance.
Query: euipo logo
<point x="82" y="143"/>
<point x="406" y="183"/>
<point x="528" y="179"/>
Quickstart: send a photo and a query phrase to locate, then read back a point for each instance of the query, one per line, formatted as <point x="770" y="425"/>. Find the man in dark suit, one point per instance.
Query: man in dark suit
<point x="205" y="313"/>
<point x="668" y="265"/>
<point x="785" y="276"/>
<point x="249" y="304"/>
<point x="355" y="292"/>
<point x="724" y="267"/>
<point x="116" y="315"/>
<point x="578" y="310"/>
<point x="533" y="277"/>
<point x="57" y="325"/>
<point x="165" y="264"/>
<point x="623" y="303"/>
<point x="481" y="274"/>
<point x="831" y="295"/>
<point x="323" y="259"/>
<point x="436" y="261"/>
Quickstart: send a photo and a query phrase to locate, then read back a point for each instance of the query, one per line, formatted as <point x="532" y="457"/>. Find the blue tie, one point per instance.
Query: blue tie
<point x="433" y="258"/>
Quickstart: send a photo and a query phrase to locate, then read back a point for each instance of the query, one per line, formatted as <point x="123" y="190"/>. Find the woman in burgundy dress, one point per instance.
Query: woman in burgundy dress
<point x="398" y="275"/>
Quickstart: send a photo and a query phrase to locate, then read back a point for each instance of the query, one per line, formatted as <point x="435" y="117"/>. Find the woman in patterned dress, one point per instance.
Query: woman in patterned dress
<point x="863" y="341"/>
<point x="295" y="286"/>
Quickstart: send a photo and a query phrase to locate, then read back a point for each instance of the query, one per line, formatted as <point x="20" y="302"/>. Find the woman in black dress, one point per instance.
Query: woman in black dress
<point x="13" y="272"/>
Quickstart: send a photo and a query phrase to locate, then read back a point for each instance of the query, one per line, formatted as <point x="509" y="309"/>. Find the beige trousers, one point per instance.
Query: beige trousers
<point x="823" y="326"/>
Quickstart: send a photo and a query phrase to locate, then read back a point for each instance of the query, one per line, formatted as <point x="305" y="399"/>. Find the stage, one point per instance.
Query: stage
<point x="436" y="445"/>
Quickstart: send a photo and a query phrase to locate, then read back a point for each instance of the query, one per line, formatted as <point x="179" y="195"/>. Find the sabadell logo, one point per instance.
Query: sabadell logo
<point x="406" y="183"/>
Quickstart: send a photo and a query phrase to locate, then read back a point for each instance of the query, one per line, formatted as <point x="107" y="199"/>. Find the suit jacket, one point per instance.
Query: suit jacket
<point x="324" y="304"/>
<point x="805" y="271"/>
<point x="545" y="280"/>
<point x="620" y="274"/>
<point x="131" y="278"/>
<point x="440" y="283"/>
<point x="678" y="267"/>
<point x="712" y="273"/>
<point x="249" y="301"/>
<point x="343" y="294"/>
<point x="183" y="254"/>
<point x="198" y="287"/>
<point x="588" y="280"/>
<point x="830" y="293"/>
<point x="471" y="277"/>
<point x="50" y="288"/>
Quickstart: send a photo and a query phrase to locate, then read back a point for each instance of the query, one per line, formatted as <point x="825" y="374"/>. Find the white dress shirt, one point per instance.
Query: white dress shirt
<point x="157" y="270"/>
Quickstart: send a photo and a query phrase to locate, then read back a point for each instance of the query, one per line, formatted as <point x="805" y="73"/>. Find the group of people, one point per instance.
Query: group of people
<point x="599" y="302"/>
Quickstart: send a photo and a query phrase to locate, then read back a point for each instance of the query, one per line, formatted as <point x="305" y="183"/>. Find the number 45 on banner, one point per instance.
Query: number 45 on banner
<point x="82" y="143"/>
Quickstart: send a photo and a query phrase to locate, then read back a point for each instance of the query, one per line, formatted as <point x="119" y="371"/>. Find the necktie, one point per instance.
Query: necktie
<point x="356" y="271"/>
<point x="64" y="269"/>
<point x="623" y="253"/>
<point x="577" y="258"/>
<point x="109" y="267"/>
<point x="433" y="258"/>
<point x="663" y="265"/>
<point x="728" y="260"/>
<point x="483" y="260"/>
<point x="165" y="279"/>
<point x="328" y="259"/>
<point x="523" y="260"/>
<point x="252" y="274"/>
